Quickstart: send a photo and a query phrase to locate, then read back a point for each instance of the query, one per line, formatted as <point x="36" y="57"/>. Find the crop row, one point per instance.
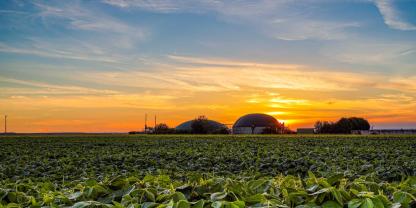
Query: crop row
<point x="217" y="192"/>
<point x="69" y="158"/>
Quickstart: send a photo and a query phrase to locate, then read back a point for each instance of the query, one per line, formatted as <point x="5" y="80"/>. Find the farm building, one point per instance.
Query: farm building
<point x="305" y="131"/>
<point x="256" y="124"/>
<point x="210" y="125"/>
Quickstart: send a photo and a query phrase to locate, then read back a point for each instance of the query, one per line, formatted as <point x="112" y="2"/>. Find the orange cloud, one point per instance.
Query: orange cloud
<point x="221" y="89"/>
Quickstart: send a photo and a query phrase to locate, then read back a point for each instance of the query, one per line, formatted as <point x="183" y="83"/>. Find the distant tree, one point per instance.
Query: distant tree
<point x="324" y="127"/>
<point x="318" y="126"/>
<point x="359" y="124"/>
<point x="200" y="125"/>
<point x="163" y="129"/>
<point x="280" y="129"/>
<point x="342" y="126"/>
<point x="286" y="130"/>
<point x="253" y="127"/>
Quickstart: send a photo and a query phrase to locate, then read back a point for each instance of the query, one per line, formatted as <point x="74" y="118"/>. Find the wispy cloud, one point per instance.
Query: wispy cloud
<point x="302" y="29"/>
<point x="31" y="88"/>
<point x="54" y="52"/>
<point x="277" y="19"/>
<point x="235" y="8"/>
<point x="229" y="63"/>
<point x="99" y="36"/>
<point x="392" y="16"/>
<point x="87" y="19"/>
<point x="15" y="12"/>
<point x="195" y="74"/>
<point x="373" y="55"/>
<point x="158" y="5"/>
<point x="401" y="83"/>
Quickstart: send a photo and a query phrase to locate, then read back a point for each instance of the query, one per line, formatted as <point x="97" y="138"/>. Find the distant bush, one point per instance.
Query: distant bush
<point x="202" y="125"/>
<point x="342" y="126"/>
<point x="163" y="129"/>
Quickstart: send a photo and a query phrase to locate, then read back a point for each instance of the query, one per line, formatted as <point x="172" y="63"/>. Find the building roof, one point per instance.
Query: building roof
<point x="187" y="126"/>
<point x="256" y="120"/>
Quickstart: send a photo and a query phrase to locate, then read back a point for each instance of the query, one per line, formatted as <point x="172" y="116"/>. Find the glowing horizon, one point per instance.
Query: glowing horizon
<point x="99" y="66"/>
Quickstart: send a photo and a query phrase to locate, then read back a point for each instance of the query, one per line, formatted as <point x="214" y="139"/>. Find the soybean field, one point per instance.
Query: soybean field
<point x="207" y="171"/>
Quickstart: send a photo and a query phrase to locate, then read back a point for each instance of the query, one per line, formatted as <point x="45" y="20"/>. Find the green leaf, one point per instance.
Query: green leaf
<point x="90" y="182"/>
<point x="149" y="195"/>
<point x="12" y="197"/>
<point x="117" y="205"/>
<point x="331" y="204"/>
<point x="402" y="197"/>
<point x="355" y="203"/>
<point x="396" y="205"/>
<point x="377" y="203"/>
<point x="216" y="204"/>
<point x="199" y="204"/>
<point x="337" y="195"/>
<point x="259" y="186"/>
<point x="258" y="198"/>
<point x="183" y="204"/>
<point x="81" y="204"/>
<point x="171" y="204"/>
<point x="75" y="196"/>
<point x="324" y="190"/>
<point x="149" y="205"/>
<point x="48" y="198"/>
<point x="367" y="203"/>
<point x="311" y="175"/>
<point x="13" y="205"/>
<point x="240" y="204"/>
<point x="335" y="178"/>
<point x="177" y="196"/>
<point x="308" y="206"/>
<point x="85" y="204"/>
<point x="312" y="188"/>
<point x="218" y="196"/>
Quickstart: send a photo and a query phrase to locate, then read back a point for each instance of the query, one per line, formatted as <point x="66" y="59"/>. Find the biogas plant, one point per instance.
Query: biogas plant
<point x="256" y="123"/>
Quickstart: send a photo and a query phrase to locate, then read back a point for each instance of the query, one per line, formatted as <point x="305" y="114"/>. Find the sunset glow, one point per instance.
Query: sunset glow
<point x="100" y="66"/>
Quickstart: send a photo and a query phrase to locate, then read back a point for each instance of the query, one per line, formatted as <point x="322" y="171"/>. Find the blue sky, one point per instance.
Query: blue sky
<point x="160" y="56"/>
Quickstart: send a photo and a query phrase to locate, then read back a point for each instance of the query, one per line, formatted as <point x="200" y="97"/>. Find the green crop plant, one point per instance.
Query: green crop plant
<point x="216" y="192"/>
<point x="218" y="171"/>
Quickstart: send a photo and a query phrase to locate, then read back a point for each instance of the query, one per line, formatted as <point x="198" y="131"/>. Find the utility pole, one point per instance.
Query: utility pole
<point x="155" y="122"/>
<point x="145" y="123"/>
<point x="5" y="124"/>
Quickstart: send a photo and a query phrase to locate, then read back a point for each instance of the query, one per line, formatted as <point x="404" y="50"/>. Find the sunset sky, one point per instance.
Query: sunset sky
<point x="99" y="66"/>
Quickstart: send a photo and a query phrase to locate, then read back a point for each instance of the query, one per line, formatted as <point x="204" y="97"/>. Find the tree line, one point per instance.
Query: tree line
<point x="342" y="126"/>
<point x="201" y="125"/>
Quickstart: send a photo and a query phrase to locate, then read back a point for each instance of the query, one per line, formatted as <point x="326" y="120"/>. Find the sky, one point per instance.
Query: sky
<point x="99" y="66"/>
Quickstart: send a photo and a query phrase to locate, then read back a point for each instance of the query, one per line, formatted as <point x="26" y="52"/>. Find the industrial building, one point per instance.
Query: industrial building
<point x="305" y="131"/>
<point x="257" y="123"/>
<point x="211" y="126"/>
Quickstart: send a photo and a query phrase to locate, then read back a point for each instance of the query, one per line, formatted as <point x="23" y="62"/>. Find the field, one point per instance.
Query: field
<point x="207" y="171"/>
